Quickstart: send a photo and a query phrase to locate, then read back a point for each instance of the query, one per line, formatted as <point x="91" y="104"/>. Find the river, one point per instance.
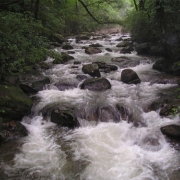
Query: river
<point x="96" y="150"/>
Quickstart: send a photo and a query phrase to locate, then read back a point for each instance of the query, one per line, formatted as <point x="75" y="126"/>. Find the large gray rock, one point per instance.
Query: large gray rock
<point x="130" y="77"/>
<point x="91" y="69"/>
<point x="92" y="50"/>
<point x="96" y="84"/>
<point x="172" y="131"/>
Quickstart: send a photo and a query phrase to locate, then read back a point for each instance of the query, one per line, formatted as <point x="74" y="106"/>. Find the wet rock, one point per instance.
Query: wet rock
<point x="57" y="38"/>
<point x="71" y="52"/>
<point x="107" y="68"/>
<point x="96" y="84"/>
<point x="120" y="39"/>
<point x="130" y="77"/>
<point x="14" y="104"/>
<point x="124" y="44"/>
<point x="91" y="69"/>
<point x="81" y="37"/>
<point x="126" y="50"/>
<point x="107" y="114"/>
<point x="64" y="86"/>
<point x="44" y="65"/>
<point x="67" y="47"/>
<point x="81" y="77"/>
<point x="95" y="45"/>
<point x="123" y="112"/>
<point x="77" y="62"/>
<point x="171" y="131"/>
<point x="64" y="118"/>
<point x="40" y="83"/>
<point x="92" y="50"/>
<point x="158" y="104"/>
<point x="142" y="48"/>
<point x="28" y="89"/>
<point x="108" y="49"/>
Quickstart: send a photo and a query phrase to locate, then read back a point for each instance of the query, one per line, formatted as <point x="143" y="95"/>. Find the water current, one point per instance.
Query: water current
<point x="96" y="150"/>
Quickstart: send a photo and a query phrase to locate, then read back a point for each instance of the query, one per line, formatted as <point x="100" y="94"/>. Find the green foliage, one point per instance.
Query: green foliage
<point x="175" y="111"/>
<point x="20" y="42"/>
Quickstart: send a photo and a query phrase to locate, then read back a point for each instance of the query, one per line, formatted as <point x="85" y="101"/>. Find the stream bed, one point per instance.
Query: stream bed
<point x="101" y="148"/>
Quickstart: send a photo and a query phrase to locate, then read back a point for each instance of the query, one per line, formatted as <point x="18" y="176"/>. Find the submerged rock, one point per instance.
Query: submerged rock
<point x="130" y="77"/>
<point x="64" y="118"/>
<point x="91" y="69"/>
<point x="67" y="47"/>
<point x="96" y="84"/>
<point x="64" y="86"/>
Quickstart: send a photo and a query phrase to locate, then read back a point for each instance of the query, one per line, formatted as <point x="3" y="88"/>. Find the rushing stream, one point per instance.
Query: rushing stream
<point x="97" y="150"/>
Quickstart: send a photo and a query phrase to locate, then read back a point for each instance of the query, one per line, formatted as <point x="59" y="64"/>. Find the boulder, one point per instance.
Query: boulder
<point x="95" y="45"/>
<point x="108" y="113"/>
<point x="108" y="49"/>
<point x="64" y="118"/>
<point x="124" y="44"/>
<point x="142" y="48"/>
<point x="57" y="38"/>
<point x="96" y="84"/>
<point x="64" y="86"/>
<point x="170" y="109"/>
<point x="92" y="50"/>
<point x="91" y="69"/>
<point x="40" y="83"/>
<point x="159" y="65"/>
<point x="126" y="50"/>
<point x="64" y="58"/>
<point x="107" y="68"/>
<point x="171" y="131"/>
<point x="130" y="77"/>
<point x="67" y="47"/>
<point x="14" y="104"/>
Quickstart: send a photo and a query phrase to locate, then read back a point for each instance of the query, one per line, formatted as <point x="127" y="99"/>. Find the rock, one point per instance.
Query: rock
<point x="142" y="48"/>
<point x="40" y="83"/>
<point x="81" y="37"/>
<point x="95" y="45"/>
<point x="64" y="118"/>
<point x="57" y="38"/>
<point x="12" y="80"/>
<point x="171" y="131"/>
<point x="130" y="77"/>
<point x="108" y="49"/>
<point x="14" y="104"/>
<point x="124" y="44"/>
<point x="96" y="84"/>
<point x="27" y="89"/>
<point x="123" y="112"/>
<point x="119" y="39"/>
<point x="159" y="65"/>
<point x="64" y="86"/>
<point x="67" y="47"/>
<point x="92" y="50"/>
<point x="81" y="77"/>
<point x="64" y="58"/>
<point x="126" y="50"/>
<point x="44" y="65"/>
<point x="91" y="69"/>
<point x="71" y="52"/>
<point x="107" y="68"/>
<point x="108" y="113"/>
<point x="77" y="62"/>
<point x="158" y="104"/>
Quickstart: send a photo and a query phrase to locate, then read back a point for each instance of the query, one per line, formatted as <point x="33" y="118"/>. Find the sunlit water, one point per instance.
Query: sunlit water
<point x="97" y="150"/>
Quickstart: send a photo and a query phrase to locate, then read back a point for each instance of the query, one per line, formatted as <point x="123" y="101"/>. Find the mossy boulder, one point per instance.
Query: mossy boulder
<point x="14" y="104"/>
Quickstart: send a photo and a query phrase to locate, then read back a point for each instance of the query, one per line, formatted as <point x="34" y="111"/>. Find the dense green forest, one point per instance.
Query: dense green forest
<point x="29" y="28"/>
